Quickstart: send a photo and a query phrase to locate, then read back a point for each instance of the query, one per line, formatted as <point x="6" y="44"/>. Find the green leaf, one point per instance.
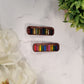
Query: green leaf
<point x="81" y="20"/>
<point x="66" y="16"/>
<point x="71" y="16"/>
<point x="82" y="16"/>
<point x="75" y="14"/>
<point x="78" y="28"/>
<point x="65" y="21"/>
<point x="82" y="5"/>
<point x="77" y="20"/>
<point x="77" y="4"/>
<point x="72" y="25"/>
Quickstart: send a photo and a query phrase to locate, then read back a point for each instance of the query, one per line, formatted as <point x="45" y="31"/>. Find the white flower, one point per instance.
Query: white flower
<point x="19" y="73"/>
<point x="13" y="68"/>
<point x="9" y="52"/>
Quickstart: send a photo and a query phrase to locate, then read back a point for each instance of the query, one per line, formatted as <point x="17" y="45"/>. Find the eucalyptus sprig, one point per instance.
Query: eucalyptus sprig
<point x="75" y="12"/>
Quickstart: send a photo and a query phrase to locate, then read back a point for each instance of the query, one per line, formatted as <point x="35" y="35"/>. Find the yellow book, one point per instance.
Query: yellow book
<point x="51" y="47"/>
<point x="39" y="47"/>
<point x="46" y="31"/>
<point x="34" y="32"/>
<point x="39" y="31"/>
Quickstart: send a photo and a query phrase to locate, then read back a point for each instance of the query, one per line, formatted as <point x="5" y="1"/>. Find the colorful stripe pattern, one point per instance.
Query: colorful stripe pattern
<point x="33" y="30"/>
<point x="43" y="47"/>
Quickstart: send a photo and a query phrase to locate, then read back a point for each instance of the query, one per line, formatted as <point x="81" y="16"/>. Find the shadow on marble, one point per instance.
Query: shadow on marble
<point x="40" y="80"/>
<point x="83" y="49"/>
<point x="83" y="61"/>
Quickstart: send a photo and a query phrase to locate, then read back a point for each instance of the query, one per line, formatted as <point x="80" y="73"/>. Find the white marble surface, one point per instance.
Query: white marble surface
<point x="63" y="67"/>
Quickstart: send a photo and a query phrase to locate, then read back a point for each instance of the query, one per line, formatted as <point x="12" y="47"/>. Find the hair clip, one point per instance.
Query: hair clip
<point x="39" y="30"/>
<point x="45" y="47"/>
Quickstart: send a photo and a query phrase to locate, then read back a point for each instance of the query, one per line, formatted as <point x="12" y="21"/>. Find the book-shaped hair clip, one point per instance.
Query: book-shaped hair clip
<point x="45" y="47"/>
<point x="40" y="30"/>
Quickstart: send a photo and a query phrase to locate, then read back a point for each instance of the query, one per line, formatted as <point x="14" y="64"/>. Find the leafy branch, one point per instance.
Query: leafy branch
<point x="75" y="12"/>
